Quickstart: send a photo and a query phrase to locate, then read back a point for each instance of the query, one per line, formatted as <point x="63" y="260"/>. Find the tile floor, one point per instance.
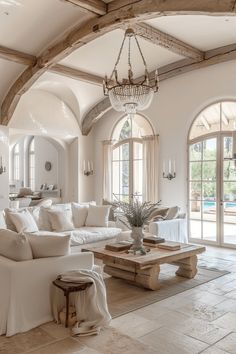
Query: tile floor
<point x="199" y="320"/>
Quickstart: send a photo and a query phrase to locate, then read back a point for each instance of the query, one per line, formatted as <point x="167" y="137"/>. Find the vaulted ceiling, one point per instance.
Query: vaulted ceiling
<point x="65" y="47"/>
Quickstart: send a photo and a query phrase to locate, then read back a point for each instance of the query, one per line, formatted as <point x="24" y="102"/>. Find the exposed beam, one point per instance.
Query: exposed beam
<point x="76" y="74"/>
<point x="175" y="5"/>
<point x="205" y="123"/>
<point x="215" y="56"/>
<point x="95" y="114"/>
<point x="98" y="7"/>
<point x="171" y="43"/>
<point x="17" y="56"/>
<point x="129" y="13"/>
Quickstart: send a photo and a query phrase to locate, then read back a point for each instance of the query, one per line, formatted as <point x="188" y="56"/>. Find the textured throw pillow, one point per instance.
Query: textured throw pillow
<point x="97" y="216"/>
<point x="111" y="216"/>
<point x="15" y="246"/>
<point x="23" y="221"/>
<point x="49" y="246"/>
<point x="173" y="212"/>
<point x="59" y="221"/>
<point x="158" y="214"/>
<point x="43" y="221"/>
<point x="79" y="213"/>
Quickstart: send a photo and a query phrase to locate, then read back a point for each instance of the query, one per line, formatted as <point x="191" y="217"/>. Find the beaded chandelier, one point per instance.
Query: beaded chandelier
<point x="130" y="95"/>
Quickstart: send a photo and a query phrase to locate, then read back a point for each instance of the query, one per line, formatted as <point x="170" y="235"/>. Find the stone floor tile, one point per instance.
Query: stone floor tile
<point x="228" y="343"/>
<point x="111" y="341"/>
<point x="64" y="346"/>
<point x="214" y="350"/>
<point x="227" y="321"/>
<point x="134" y="325"/>
<point x="202" y="311"/>
<point x="27" y="341"/>
<point x="58" y="331"/>
<point x="228" y="305"/>
<point x="169" y="342"/>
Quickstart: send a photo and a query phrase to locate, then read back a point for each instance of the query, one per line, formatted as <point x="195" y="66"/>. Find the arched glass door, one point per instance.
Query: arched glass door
<point x="212" y="176"/>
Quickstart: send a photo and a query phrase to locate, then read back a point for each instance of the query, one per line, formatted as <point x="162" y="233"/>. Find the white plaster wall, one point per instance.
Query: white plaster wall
<point x="45" y="151"/>
<point x="4" y="177"/>
<point x="174" y="108"/>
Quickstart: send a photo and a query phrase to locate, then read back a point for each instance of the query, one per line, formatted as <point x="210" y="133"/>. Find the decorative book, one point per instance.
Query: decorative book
<point x="172" y="246"/>
<point x="118" y="247"/>
<point x="153" y="240"/>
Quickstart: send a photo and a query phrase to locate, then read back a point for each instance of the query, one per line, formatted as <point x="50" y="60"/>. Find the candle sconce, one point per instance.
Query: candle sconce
<point x="88" y="171"/>
<point x="2" y="168"/>
<point x="171" y="170"/>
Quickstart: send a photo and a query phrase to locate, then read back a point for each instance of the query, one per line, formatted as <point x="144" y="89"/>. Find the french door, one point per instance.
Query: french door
<point x="212" y="191"/>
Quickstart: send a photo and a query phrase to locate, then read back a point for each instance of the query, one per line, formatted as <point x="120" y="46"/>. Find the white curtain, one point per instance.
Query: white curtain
<point x="150" y="168"/>
<point x="107" y="173"/>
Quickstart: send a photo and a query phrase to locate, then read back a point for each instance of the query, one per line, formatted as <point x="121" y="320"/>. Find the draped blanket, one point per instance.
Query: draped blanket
<point x="90" y="304"/>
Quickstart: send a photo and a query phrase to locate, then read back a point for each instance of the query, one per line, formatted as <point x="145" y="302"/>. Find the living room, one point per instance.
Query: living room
<point x="63" y="140"/>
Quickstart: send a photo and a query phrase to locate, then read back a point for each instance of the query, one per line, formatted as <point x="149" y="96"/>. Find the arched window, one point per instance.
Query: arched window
<point x="127" y="157"/>
<point x="32" y="164"/>
<point x="212" y="175"/>
<point x="16" y="162"/>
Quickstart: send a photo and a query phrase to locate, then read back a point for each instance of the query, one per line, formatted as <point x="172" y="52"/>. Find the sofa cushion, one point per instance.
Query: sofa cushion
<point x="97" y="216"/>
<point x="15" y="246"/>
<point x="85" y="235"/>
<point x="23" y="221"/>
<point x="59" y="221"/>
<point x="49" y="246"/>
<point x="158" y="213"/>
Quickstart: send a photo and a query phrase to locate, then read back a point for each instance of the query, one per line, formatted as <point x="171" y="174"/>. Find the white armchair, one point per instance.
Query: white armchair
<point x="26" y="287"/>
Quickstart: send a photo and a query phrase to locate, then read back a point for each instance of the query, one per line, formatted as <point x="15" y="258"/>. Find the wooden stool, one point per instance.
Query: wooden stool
<point x="68" y="288"/>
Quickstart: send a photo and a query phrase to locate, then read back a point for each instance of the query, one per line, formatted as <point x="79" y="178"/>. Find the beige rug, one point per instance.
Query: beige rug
<point x="124" y="297"/>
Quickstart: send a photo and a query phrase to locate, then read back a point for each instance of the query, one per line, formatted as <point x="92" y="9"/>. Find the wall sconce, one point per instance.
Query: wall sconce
<point x="88" y="171"/>
<point x="171" y="170"/>
<point x="2" y="168"/>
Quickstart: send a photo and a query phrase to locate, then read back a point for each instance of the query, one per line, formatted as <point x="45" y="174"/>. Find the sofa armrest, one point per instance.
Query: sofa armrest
<point x="26" y="287"/>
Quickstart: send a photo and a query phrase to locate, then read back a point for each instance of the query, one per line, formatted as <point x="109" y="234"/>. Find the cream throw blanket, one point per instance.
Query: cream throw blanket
<point x="91" y="304"/>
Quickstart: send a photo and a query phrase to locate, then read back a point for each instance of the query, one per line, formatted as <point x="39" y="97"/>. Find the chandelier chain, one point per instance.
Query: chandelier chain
<point x="144" y="61"/>
<point x="118" y="58"/>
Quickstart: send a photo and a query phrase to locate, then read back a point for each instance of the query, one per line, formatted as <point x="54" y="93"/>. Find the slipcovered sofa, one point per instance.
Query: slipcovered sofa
<point x="92" y="231"/>
<point x="26" y="286"/>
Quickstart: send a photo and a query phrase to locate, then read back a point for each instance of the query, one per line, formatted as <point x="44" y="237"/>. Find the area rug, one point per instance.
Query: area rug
<point x="124" y="297"/>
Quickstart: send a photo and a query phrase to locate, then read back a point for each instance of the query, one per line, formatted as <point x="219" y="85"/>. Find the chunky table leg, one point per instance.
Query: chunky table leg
<point x="148" y="278"/>
<point x="187" y="267"/>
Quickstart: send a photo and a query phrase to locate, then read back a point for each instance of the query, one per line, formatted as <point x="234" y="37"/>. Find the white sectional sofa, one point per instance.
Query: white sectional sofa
<point x="171" y="230"/>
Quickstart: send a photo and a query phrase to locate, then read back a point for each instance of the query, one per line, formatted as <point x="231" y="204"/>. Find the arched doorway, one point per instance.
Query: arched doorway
<point x="212" y="176"/>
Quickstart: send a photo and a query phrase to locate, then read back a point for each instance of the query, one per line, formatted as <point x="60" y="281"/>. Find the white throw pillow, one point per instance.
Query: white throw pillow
<point x="59" y="221"/>
<point x="98" y="216"/>
<point x="49" y="246"/>
<point x="15" y="246"/>
<point x="44" y="223"/>
<point x="23" y="221"/>
<point x="79" y="213"/>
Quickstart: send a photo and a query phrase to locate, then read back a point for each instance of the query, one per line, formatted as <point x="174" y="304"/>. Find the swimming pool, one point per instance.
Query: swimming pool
<point x="209" y="204"/>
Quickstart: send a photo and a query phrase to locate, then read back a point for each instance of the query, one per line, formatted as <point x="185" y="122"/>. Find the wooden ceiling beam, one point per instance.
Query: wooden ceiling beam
<point x="17" y="56"/>
<point x="167" y="41"/>
<point x="98" y="7"/>
<point x="129" y="13"/>
<point x="77" y="74"/>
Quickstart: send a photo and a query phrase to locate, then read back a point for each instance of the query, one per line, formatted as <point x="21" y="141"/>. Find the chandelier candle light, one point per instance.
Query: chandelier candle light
<point x="171" y="170"/>
<point x="128" y="94"/>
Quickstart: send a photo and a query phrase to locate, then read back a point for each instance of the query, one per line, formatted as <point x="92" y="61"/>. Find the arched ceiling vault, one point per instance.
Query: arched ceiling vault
<point x="105" y="17"/>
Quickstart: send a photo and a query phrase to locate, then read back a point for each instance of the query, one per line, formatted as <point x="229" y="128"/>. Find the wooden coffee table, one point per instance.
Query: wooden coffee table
<point x="143" y="270"/>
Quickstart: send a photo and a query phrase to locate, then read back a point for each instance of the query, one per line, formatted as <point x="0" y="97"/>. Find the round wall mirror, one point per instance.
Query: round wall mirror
<point x="48" y="166"/>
